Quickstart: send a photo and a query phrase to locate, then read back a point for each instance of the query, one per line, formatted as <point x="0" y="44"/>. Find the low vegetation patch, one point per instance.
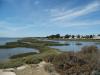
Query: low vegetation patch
<point x="89" y="49"/>
<point x="84" y="62"/>
<point x="11" y="64"/>
<point x="29" y="58"/>
<point x="22" y="55"/>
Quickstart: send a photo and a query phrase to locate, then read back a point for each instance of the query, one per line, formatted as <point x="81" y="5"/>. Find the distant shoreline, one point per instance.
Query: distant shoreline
<point x="90" y="40"/>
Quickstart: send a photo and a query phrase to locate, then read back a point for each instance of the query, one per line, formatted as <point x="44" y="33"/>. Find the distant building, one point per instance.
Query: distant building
<point x="96" y="37"/>
<point x="82" y="37"/>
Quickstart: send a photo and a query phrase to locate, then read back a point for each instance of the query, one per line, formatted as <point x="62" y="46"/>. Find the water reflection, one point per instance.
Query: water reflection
<point x="73" y="45"/>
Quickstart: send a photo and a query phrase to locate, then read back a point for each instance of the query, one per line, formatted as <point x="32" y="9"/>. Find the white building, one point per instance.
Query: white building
<point x="96" y="37"/>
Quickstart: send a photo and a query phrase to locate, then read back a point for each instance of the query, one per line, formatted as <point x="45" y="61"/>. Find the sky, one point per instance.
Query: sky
<point x="35" y="18"/>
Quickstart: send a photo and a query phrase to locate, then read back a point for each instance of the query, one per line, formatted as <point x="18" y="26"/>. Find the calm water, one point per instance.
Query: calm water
<point x="5" y="40"/>
<point x="73" y="46"/>
<point x="6" y="53"/>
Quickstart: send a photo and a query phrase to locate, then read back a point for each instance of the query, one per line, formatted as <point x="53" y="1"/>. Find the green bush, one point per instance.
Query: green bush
<point x="22" y="55"/>
<point x="10" y="64"/>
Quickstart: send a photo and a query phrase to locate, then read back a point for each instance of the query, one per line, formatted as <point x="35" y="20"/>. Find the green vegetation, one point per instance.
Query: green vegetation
<point x="11" y="64"/>
<point x="54" y="36"/>
<point x="31" y="43"/>
<point x="22" y="55"/>
<point x="29" y="58"/>
<point x="84" y="62"/>
<point x="56" y="44"/>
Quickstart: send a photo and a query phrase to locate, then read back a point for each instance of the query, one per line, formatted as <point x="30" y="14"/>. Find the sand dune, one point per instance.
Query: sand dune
<point x="6" y="73"/>
<point x="34" y="69"/>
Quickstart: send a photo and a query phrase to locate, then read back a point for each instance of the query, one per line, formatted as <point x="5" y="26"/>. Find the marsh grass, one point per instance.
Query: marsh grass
<point x="80" y="63"/>
<point x="22" y="55"/>
<point x="28" y="58"/>
<point x="83" y="62"/>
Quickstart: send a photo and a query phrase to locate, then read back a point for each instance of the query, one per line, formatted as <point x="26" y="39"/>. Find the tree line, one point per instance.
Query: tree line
<point x="67" y="36"/>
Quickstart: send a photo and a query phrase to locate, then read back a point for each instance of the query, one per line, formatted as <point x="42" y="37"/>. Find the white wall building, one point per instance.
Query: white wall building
<point x="96" y="37"/>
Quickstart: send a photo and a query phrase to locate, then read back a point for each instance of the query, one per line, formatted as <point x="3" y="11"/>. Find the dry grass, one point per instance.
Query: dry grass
<point x="84" y="62"/>
<point x="34" y="69"/>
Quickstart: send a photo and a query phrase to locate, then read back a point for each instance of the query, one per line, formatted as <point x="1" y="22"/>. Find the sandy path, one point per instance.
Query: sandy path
<point x="6" y="73"/>
<point x="34" y="70"/>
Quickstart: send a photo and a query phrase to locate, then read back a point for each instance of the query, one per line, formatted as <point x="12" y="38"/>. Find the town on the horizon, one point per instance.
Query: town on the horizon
<point x="49" y="37"/>
<point x="68" y="36"/>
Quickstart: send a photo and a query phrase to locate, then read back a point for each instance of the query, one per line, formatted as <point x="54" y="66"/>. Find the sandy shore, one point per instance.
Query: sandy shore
<point x="2" y="72"/>
<point x="34" y="69"/>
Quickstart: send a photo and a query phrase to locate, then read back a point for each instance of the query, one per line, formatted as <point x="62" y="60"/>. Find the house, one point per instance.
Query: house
<point x="96" y="37"/>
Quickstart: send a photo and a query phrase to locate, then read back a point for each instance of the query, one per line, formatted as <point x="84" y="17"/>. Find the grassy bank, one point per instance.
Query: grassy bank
<point x="22" y="55"/>
<point x="84" y="40"/>
<point x="29" y="58"/>
<point x="32" y="58"/>
<point x="31" y="43"/>
<point x="84" y="62"/>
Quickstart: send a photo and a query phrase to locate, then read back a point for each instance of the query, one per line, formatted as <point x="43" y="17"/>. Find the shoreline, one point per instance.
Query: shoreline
<point x="60" y="60"/>
<point x="2" y="72"/>
<point x="83" y="40"/>
<point x="34" y="69"/>
<point x="42" y="46"/>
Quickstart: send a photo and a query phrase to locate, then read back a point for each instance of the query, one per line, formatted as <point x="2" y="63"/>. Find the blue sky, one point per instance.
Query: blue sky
<point x="26" y="18"/>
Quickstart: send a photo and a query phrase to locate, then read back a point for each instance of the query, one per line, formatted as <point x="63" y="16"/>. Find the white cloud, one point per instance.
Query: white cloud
<point x="63" y="17"/>
<point x="12" y="27"/>
<point x="76" y="12"/>
<point x="81" y="23"/>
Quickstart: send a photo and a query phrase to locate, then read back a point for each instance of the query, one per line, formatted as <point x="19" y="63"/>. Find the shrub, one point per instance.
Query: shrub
<point x="49" y="68"/>
<point x="69" y="63"/>
<point x="89" y="49"/>
<point x="33" y="60"/>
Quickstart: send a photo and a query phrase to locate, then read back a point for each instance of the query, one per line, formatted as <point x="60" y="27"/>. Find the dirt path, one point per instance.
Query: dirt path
<point x="35" y="70"/>
<point x="6" y="73"/>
